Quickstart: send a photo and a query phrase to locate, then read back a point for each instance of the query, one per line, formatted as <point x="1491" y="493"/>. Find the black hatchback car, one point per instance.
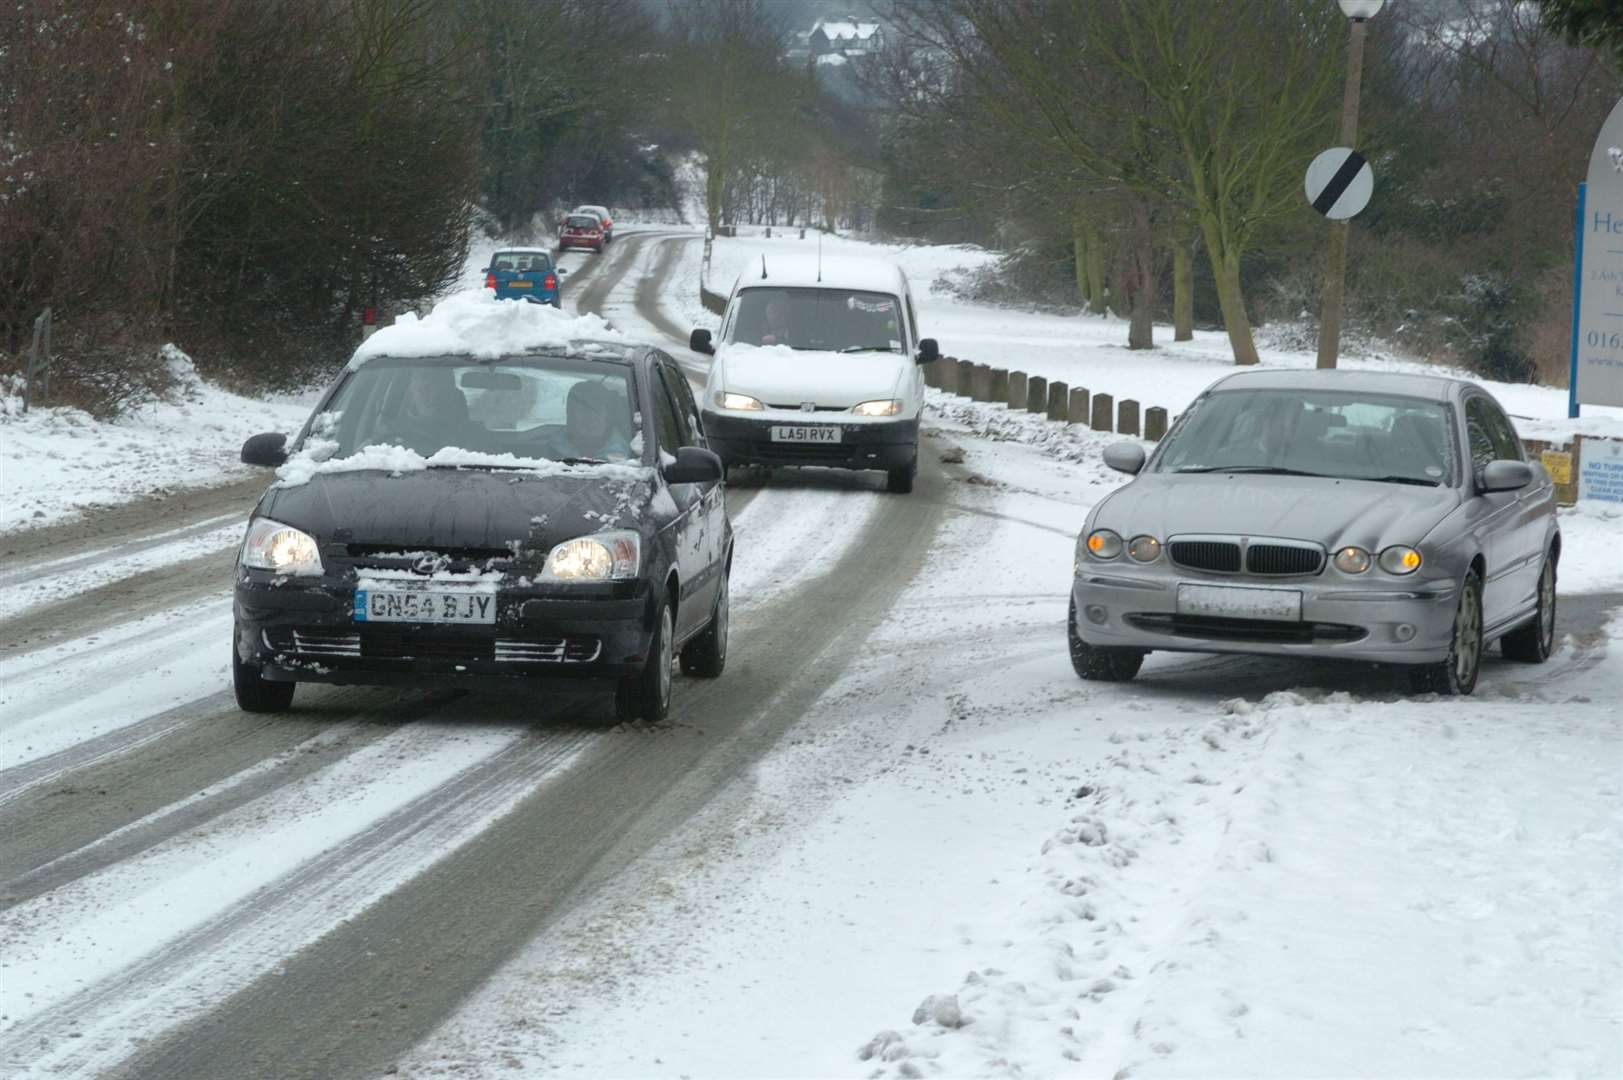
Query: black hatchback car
<point x="462" y="521"/>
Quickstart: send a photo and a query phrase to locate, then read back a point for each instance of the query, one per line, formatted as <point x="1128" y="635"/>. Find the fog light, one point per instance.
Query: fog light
<point x="1404" y="632"/>
<point x="1096" y="614"/>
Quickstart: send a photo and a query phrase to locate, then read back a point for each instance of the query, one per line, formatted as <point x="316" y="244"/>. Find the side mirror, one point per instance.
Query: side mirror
<point x="561" y="271"/>
<point x="1127" y="457"/>
<point x="486" y="270"/>
<point x="699" y="342"/>
<point x="268" y="449"/>
<point x="1505" y="475"/>
<point x="929" y="351"/>
<point x="693" y="465"/>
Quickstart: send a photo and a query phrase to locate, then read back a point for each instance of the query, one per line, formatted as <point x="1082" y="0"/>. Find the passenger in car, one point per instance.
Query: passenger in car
<point x="590" y="428"/>
<point x="432" y="414"/>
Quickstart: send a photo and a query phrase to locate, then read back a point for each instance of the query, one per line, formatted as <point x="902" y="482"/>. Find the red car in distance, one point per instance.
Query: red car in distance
<point x="582" y="230"/>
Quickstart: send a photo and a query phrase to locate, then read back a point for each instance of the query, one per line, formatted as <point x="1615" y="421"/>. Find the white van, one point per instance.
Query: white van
<point x="818" y="364"/>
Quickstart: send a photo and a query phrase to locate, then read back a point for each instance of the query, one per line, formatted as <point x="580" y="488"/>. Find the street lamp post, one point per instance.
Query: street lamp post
<point x="1358" y="12"/>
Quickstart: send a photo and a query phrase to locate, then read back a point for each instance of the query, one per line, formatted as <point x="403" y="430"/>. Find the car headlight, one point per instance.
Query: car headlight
<point x="739" y="401"/>
<point x="1400" y="559"/>
<point x="1144" y="548"/>
<point x="889" y="407"/>
<point x="608" y="556"/>
<point x="1104" y="544"/>
<point x="1352" y="560"/>
<point x="270" y="545"/>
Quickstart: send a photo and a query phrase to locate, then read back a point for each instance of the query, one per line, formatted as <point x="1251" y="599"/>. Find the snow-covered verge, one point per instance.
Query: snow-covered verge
<point x="968" y="862"/>
<point x="58" y="462"/>
<point x="1091" y="351"/>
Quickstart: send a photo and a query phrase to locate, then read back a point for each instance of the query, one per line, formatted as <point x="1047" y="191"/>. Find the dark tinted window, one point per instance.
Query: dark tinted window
<point x="832" y="319"/>
<point x="665" y="422"/>
<point x="519" y="262"/>
<point x="1479" y="431"/>
<point x="687" y="409"/>
<point x="1507" y="445"/>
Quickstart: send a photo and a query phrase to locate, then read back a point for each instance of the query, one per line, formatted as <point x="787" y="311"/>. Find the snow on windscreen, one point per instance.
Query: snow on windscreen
<point x="477" y="324"/>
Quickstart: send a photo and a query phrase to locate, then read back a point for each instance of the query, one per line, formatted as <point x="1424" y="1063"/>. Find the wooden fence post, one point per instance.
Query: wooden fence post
<point x="1036" y="394"/>
<point x="1078" y="409"/>
<point x="1104" y="413"/>
<point x="981" y="387"/>
<point x="1058" y="401"/>
<point x="1127" y="423"/>
<point x="1000" y="386"/>
<point x="1017" y="390"/>
<point x="966" y="377"/>
<point x="1155" y="423"/>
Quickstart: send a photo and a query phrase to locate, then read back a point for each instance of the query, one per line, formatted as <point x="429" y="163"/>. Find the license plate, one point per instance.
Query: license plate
<point x="518" y="284"/>
<point x="795" y="433"/>
<point x="1235" y="602"/>
<point x="391" y="605"/>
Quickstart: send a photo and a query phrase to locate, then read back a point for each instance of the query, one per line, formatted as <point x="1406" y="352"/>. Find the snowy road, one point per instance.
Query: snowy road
<point x="384" y="881"/>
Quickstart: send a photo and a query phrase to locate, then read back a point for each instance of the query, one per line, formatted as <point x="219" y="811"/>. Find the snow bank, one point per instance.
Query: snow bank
<point x="58" y="462"/>
<point x="475" y="323"/>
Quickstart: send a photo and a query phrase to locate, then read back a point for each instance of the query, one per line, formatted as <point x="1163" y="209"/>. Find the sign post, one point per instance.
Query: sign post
<point x="1596" y="377"/>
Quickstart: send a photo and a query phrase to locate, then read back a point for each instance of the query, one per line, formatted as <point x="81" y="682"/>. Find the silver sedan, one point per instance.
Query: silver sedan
<point x="1325" y="514"/>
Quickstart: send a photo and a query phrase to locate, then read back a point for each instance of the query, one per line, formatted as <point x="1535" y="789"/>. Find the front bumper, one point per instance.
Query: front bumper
<point x="1389" y="620"/>
<point x="868" y="444"/>
<point x="304" y="630"/>
<point x="534" y="296"/>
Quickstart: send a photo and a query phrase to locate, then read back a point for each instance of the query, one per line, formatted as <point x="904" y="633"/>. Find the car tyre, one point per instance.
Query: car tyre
<point x="255" y="693"/>
<point x="1458" y="673"/>
<point x="647" y="694"/>
<point x="900" y="481"/>
<point x="1534" y="640"/>
<point x="1098" y="663"/>
<point x="706" y="655"/>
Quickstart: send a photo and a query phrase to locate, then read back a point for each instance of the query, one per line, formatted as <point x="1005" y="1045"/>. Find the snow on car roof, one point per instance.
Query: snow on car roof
<point x="1401" y="384"/>
<point x="475" y="323"/>
<point x="837" y="272"/>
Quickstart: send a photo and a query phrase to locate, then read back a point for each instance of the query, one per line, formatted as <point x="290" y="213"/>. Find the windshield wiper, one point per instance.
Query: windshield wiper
<point x="1267" y="470"/>
<point x="583" y="461"/>
<point x="865" y="348"/>
<point x="1421" y="481"/>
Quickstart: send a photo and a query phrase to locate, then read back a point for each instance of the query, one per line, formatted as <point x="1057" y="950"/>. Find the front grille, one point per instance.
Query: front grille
<point x="1222" y="556"/>
<point x="432" y="647"/>
<point x="1284" y="559"/>
<point x="796" y="408"/>
<point x="1216" y="628"/>
<point x="809" y="453"/>
<point x="400" y="557"/>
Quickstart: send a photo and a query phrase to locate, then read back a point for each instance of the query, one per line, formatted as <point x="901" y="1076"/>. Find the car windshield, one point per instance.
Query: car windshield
<point x="1347" y="435"/>
<point x="837" y="320"/>
<point x="531" y="407"/>
<point x="519" y="262"/>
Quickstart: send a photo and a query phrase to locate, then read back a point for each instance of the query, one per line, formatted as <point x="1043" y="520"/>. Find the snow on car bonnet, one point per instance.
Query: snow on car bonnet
<point x="475" y="323"/>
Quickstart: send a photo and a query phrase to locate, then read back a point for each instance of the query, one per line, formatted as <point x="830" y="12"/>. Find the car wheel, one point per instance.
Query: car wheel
<point x="1457" y="674"/>
<point x="598" y="249"/>
<point x="1534" y="641"/>
<point x="647" y="695"/>
<point x="706" y="655"/>
<point x="557" y="303"/>
<point x="255" y="693"/>
<point x="1099" y="664"/>
<point x="900" y="481"/>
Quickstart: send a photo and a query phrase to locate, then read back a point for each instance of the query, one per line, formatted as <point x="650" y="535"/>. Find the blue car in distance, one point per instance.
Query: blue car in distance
<point x="524" y="274"/>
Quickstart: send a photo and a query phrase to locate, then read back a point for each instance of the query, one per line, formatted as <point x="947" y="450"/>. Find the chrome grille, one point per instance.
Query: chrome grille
<point x="1284" y="558"/>
<point x="318" y="643"/>
<point x="1222" y="556"/>
<point x="572" y="650"/>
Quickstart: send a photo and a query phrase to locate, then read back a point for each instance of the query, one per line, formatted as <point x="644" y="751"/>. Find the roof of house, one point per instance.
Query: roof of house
<point x="847" y="29"/>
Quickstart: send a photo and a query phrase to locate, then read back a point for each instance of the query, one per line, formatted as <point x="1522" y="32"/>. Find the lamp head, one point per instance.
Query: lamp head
<point x="1359" y="10"/>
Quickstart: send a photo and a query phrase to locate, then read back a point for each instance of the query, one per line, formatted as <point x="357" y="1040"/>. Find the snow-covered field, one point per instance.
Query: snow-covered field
<point x="58" y="462"/>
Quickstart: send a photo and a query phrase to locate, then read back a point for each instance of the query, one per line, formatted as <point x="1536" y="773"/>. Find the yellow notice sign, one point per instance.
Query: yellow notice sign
<point x="1558" y="463"/>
